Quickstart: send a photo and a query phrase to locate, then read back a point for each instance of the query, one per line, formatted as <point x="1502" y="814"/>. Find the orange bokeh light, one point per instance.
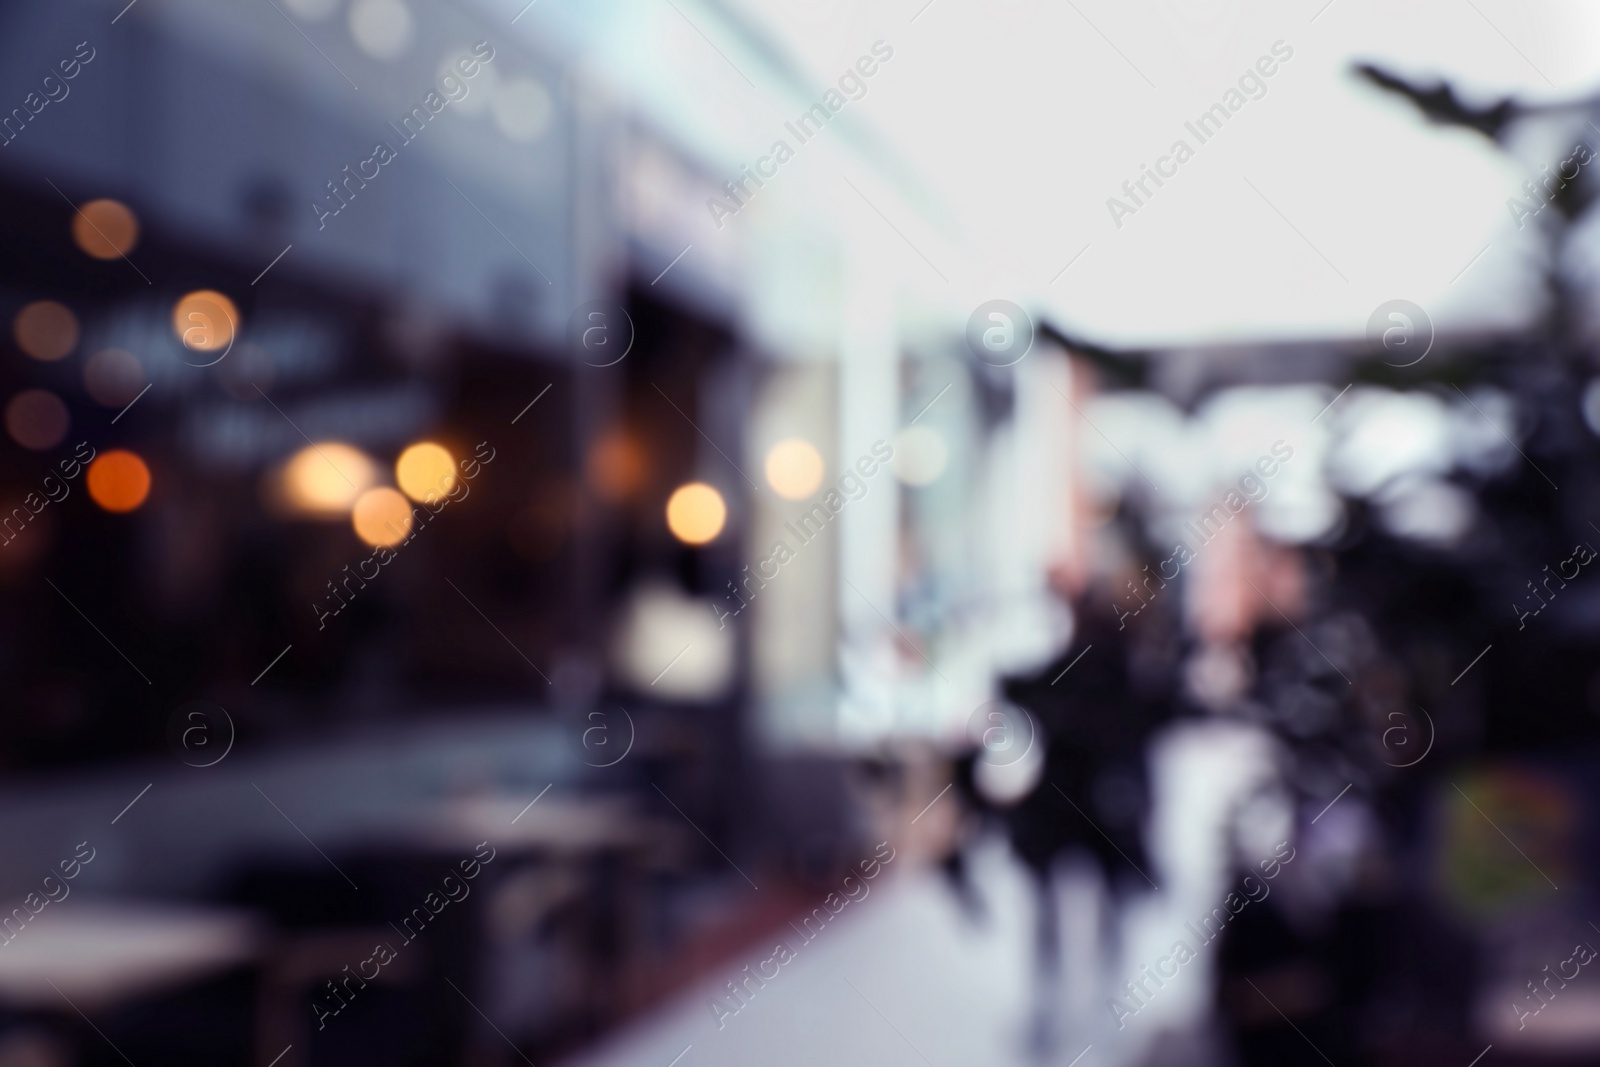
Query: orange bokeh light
<point x="381" y="517"/>
<point x="105" y="229"/>
<point x="323" y="480"/>
<point x="205" y="320"/>
<point x="425" y="470"/>
<point x="37" y="419"/>
<point x="114" y="377"/>
<point x="46" y="330"/>
<point x="119" y="480"/>
<point x="616" y="466"/>
<point x="696" y="513"/>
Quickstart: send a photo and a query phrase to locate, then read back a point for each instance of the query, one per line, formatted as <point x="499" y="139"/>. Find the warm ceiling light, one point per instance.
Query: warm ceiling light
<point x="381" y="517"/>
<point x="46" y="330"/>
<point x="794" y="468"/>
<point x="114" y="377"/>
<point x="205" y="320"/>
<point x="695" y="513"/>
<point x="324" y="479"/>
<point x="118" y="480"/>
<point x="105" y="229"/>
<point x="425" y="469"/>
<point x="36" y="419"/>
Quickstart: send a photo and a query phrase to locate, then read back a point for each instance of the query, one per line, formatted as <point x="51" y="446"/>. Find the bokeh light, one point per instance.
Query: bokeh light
<point x="522" y="109"/>
<point x="105" y="229"/>
<point x="114" y="377"/>
<point x="660" y="624"/>
<point x="118" y="480"/>
<point x="381" y="28"/>
<point x="480" y="89"/>
<point x="205" y="320"/>
<point x="37" y="419"/>
<point x="616" y="466"/>
<point x="381" y="517"/>
<point x="324" y="479"/>
<point x="425" y="468"/>
<point x="46" y="330"/>
<point x="794" y="468"/>
<point x="696" y="513"/>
